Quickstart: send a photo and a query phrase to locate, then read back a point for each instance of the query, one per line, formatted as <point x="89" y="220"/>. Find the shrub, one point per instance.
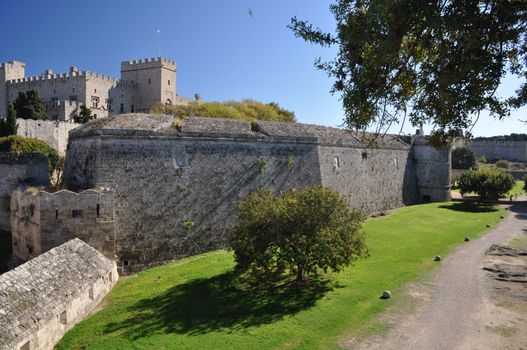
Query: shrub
<point x="503" y="164"/>
<point x="488" y="183"/>
<point x="525" y="183"/>
<point x="244" y="110"/>
<point x="463" y="158"/>
<point x="21" y="144"/>
<point x="297" y="233"/>
<point x="482" y="160"/>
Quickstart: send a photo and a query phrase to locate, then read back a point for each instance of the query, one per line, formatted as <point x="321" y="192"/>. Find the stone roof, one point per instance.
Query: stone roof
<point x="138" y="124"/>
<point x="33" y="293"/>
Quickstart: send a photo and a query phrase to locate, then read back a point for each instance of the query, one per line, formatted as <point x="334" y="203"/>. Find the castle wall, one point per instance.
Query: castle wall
<point x="9" y="70"/>
<point x="166" y="181"/>
<point x="433" y="170"/>
<point x="45" y="297"/>
<point x="155" y="78"/>
<point x="41" y="221"/>
<point x="515" y="151"/>
<point x="28" y="169"/>
<point x="53" y="133"/>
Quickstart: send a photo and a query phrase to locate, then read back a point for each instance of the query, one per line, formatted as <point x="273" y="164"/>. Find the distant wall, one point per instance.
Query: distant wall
<point x="45" y="297"/>
<point x="27" y="169"/>
<point x="163" y="178"/>
<point x="515" y="151"/>
<point x="41" y="221"/>
<point x="52" y="132"/>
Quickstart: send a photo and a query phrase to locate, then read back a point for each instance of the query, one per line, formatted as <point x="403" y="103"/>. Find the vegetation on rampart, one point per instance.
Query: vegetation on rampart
<point x="243" y="110"/>
<point x="20" y="144"/>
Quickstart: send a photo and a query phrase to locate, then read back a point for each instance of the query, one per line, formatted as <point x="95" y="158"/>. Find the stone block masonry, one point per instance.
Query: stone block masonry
<point x="45" y="297"/>
<point x="41" y="221"/>
<point x="54" y="133"/>
<point x="177" y="188"/>
<point x="27" y="169"/>
<point x="514" y="151"/>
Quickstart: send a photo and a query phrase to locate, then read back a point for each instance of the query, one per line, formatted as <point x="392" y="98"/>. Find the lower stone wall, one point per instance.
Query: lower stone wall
<point x="45" y="297"/>
<point x="54" y="133"/>
<point x="28" y="169"/>
<point x="515" y="151"/>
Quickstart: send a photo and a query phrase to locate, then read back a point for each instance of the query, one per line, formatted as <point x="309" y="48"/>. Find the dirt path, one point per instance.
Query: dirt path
<point x="456" y="311"/>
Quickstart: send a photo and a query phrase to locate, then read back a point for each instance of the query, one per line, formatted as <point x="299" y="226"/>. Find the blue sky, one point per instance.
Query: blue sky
<point x="221" y="51"/>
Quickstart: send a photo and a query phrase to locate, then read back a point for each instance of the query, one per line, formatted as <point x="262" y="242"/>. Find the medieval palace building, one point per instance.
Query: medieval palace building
<point x="143" y="84"/>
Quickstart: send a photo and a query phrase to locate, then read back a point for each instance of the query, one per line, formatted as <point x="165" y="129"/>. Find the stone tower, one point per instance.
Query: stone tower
<point x="155" y="79"/>
<point x="8" y="71"/>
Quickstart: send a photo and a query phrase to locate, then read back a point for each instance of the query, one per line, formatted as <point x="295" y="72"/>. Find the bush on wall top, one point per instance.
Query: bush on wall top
<point x="20" y="144"/>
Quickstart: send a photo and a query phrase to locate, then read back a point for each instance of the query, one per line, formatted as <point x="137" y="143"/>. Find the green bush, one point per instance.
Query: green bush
<point x="488" y="183"/>
<point x="245" y="110"/>
<point x="297" y="233"/>
<point x="503" y="164"/>
<point x="525" y="183"/>
<point x="482" y="160"/>
<point x="463" y="158"/>
<point x="20" y="144"/>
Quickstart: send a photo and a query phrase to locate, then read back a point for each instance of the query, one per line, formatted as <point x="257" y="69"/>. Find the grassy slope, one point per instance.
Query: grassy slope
<point x="191" y="304"/>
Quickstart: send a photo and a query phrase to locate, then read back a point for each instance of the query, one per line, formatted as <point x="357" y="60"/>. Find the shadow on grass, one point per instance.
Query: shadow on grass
<point x="471" y="207"/>
<point x="223" y="301"/>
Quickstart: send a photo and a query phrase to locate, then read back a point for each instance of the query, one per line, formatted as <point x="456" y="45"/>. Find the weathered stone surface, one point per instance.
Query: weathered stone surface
<point x="508" y="272"/>
<point x="27" y="169"/>
<point x="54" y="133"/>
<point x="163" y="177"/>
<point x="43" y="298"/>
<point x="500" y="250"/>
<point x="41" y="220"/>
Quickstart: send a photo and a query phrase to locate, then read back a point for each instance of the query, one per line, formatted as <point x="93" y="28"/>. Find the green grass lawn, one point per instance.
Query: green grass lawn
<point x="196" y="303"/>
<point x="516" y="190"/>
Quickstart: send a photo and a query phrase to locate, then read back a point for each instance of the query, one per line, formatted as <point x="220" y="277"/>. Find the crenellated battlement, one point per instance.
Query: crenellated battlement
<point x="60" y="77"/>
<point x="155" y="62"/>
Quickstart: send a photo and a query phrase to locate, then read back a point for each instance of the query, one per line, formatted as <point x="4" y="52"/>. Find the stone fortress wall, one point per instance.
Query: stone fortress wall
<point x="515" y="151"/>
<point x="54" y="133"/>
<point x="41" y="221"/>
<point x="44" y="298"/>
<point x="176" y="191"/>
<point x="27" y="169"/>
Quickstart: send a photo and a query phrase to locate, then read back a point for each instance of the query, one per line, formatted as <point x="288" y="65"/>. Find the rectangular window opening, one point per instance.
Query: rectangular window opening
<point x="98" y="210"/>
<point x="132" y="108"/>
<point x="56" y="213"/>
<point x="64" y="318"/>
<point x="169" y="82"/>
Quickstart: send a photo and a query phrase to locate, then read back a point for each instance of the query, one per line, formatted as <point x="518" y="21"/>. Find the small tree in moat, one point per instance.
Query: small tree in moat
<point x="297" y="233"/>
<point x="85" y="115"/>
<point x="463" y="158"/>
<point x="488" y="183"/>
<point x="8" y="126"/>
<point x="28" y="105"/>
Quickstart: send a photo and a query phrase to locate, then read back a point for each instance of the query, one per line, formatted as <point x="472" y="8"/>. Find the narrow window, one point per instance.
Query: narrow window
<point x="63" y="318"/>
<point x="98" y="210"/>
<point x="169" y="82"/>
<point x="95" y="102"/>
<point x="121" y="108"/>
<point x="54" y="92"/>
<point x="56" y="213"/>
<point x="149" y="81"/>
<point x="125" y="262"/>
<point x="95" y="90"/>
<point x="132" y="108"/>
<point x="73" y="90"/>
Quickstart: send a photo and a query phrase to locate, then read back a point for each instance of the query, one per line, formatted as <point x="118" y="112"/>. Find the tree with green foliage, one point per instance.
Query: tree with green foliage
<point x="245" y="110"/>
<point x="437" y="62"/>
<point x="503" y="164"/>
<point x="84" y="116"/>
<point x="20" y="144"/>
<point x="482" y="160"/>
<point x="28" y="105"/>
<point x="463" y="158"/>
<point x="8" y="126"/>
<point x="297" y="233"/>
<point x="488" y="183"/>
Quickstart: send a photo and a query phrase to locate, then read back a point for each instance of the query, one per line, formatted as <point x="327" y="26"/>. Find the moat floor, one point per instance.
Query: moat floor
<point x="197" y="303"/>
